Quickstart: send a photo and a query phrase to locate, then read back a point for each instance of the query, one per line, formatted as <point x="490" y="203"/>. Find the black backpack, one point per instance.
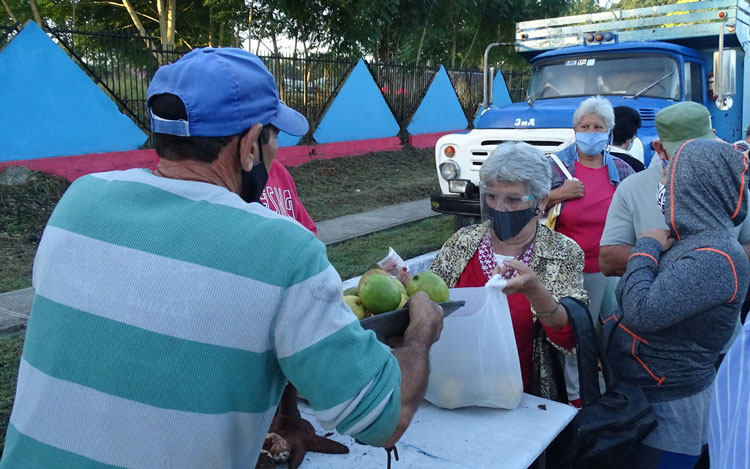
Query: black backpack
<point x="608" y="425"/>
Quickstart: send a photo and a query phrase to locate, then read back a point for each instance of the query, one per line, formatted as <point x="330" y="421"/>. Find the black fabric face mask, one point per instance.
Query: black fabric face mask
<point x="507" y="225"/>
<point x="253" y="182"/>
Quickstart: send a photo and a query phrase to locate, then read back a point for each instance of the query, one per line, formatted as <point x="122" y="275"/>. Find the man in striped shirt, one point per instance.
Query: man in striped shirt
<point x="170" y="312"/>
<point x="729" y="436"/>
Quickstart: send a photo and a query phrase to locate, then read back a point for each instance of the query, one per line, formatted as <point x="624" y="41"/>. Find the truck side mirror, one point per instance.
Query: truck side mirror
<point x="726" y="80"/>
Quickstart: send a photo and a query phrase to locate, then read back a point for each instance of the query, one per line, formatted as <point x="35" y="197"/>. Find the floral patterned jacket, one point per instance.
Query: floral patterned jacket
<point x="558" y="262"/>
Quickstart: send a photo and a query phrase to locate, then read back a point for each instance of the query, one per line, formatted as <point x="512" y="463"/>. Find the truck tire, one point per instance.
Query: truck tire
<point x="459" y="221"/>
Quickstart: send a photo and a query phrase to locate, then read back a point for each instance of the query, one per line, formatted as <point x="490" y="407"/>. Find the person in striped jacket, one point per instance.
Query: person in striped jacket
<point x="171" y="309"/>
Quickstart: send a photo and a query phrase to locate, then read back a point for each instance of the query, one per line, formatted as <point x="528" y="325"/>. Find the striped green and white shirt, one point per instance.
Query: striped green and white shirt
<point x="167" y="319"/>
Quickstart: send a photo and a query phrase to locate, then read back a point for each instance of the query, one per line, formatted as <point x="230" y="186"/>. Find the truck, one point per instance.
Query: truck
<point x="644" y="58"/>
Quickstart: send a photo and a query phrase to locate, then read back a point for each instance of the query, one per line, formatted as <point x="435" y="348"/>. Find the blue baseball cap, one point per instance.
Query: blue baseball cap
<point x="225" y="91"/>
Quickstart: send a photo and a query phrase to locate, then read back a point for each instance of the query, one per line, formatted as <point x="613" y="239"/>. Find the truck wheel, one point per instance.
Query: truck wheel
<point x="459" y="221"/>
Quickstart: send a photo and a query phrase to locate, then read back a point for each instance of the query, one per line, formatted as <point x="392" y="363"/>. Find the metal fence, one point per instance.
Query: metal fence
<point x="122" y="64"/>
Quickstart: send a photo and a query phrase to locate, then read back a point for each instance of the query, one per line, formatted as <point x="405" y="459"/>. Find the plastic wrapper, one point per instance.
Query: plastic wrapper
<point x="392" y="263"/>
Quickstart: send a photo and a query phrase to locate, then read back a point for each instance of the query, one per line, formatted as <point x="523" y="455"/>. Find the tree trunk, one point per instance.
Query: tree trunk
<point x="221" y="34"/>
<point x="161" y="8"/>
<point x="453" y="48"/>
<point x="211" y="26"/>
<point x="171" y="20"/>
<point x="421" y="40"/>
<point x="37" y="18"/>
<point x="260" y="37"/>
<point x="471" y="46"/>
<point x="280" y="82"/>
<point x="141" y="30"/>
<point x="10" y="13"/>
<point x="249" y="24"/>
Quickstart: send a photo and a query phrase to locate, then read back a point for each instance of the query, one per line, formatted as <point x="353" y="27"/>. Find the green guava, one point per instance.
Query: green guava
<point x="400" y="286"/>
<point x="379" y="294"/>
<point x="430" y="283"/>
<point x="356" y="306"/>
<point x="369" y="273"/>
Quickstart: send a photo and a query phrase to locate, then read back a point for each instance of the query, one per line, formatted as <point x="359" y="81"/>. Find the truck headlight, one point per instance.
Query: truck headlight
<point x="449" y="170"/>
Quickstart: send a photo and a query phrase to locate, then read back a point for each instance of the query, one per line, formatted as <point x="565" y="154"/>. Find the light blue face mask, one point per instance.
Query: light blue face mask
<point x="590" y="143"/>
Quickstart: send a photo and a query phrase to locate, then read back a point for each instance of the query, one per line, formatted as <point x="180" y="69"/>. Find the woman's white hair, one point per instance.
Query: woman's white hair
<point x="596" y="105"/>
<point x="518" y="162"/>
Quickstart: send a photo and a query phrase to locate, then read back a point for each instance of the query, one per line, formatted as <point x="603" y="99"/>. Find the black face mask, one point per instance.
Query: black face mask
<point x="254" y="182"/>
<point x="507" y="225"/>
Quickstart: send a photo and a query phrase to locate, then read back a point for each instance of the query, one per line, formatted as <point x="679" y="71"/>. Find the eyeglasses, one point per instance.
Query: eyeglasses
<point x="508" y="202"/>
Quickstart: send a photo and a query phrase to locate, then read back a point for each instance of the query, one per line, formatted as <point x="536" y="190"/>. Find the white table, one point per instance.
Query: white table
<point x="473" y="437"/>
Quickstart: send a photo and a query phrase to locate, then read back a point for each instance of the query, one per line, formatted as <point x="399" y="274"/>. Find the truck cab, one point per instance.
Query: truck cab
<point x="573" y="58"/>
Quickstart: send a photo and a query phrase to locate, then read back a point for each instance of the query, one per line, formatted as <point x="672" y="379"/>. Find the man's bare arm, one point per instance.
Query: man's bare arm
<point x="425" y="325"/>
<point x="613" y="259"/>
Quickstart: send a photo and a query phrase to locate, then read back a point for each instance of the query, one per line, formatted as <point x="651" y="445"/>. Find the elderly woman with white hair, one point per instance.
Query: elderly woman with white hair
<point x="586" y="198"/>
<point x="541" y="265"/>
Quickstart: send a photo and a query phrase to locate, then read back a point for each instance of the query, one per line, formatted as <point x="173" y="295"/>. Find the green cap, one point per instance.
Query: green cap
<point x="683" y="121"/>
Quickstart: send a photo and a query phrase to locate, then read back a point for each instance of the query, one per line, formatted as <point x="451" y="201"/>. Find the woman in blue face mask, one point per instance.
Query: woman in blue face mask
<point x="586" y="198"/>
<point x="541" y="266"/>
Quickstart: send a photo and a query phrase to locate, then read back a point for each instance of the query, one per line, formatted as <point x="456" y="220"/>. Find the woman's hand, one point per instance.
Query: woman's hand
<point x="663" y="236"/>
<point x="571" y="189"/>
<point x="524" y="280"/>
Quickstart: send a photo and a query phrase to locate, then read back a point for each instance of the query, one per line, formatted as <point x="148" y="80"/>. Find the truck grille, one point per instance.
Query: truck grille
<point x="536" y="143"/>
<point x="647" y="114"/>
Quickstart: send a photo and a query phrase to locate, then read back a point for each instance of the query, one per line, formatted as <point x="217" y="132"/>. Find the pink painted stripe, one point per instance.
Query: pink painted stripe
<point x="429" y="140"/>
<point x="73" y="167"/>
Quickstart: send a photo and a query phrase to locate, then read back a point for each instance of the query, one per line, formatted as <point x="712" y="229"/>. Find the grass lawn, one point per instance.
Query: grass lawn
<point x="328" y="188"/>
<point x="24" y="211"/>
<point x="341" y="186"/>
<point x="10" y="354"/>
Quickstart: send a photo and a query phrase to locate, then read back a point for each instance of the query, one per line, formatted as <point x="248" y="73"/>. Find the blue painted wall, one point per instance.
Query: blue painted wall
<point x="440" y="109"/>
<point x="286" y="140"/>
<point x="500" y="95"/>
<point x="50" y="107"/>
<point x="359" y="111"/>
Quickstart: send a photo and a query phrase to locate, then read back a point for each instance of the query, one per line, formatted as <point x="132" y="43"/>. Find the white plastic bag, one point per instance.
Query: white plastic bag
<point x="475" y="362"/>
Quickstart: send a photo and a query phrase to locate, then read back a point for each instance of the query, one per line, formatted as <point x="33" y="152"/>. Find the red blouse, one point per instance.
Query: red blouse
<point x="521" y="317"/>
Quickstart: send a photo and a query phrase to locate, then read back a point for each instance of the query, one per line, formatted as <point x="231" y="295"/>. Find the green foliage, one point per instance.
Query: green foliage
<point x="630" y="4"/>
<point x="431" y="32"/>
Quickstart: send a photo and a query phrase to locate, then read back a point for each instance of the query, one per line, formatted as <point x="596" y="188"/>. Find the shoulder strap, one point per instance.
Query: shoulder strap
<point x="561" y="166"/>
<point x="588" y="351"/>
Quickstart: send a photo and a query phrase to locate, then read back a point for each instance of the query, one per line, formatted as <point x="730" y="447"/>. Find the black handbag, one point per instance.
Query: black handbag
<point x="608" y="425"/>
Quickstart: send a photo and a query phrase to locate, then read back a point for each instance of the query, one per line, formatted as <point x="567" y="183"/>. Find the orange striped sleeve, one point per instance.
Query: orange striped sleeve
<point x="644" y="254"/>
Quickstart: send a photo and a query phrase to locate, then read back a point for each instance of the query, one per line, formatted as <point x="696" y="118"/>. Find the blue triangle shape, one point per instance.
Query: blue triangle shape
<point x="440" y="109"/>
<point x="52" y="108"/>
<point x="500" y="95"/>
<point x="358" y="112"/>
<point x="286" y="140"/>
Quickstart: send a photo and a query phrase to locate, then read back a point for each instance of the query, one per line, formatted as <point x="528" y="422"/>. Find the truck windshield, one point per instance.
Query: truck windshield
<point x="655" y="76"/>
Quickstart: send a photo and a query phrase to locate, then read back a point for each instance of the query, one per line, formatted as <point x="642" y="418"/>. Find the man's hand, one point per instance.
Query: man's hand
<point x="663" y="236"/>
<point x="425" y="320"/>
<point x="571" y="189"/>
